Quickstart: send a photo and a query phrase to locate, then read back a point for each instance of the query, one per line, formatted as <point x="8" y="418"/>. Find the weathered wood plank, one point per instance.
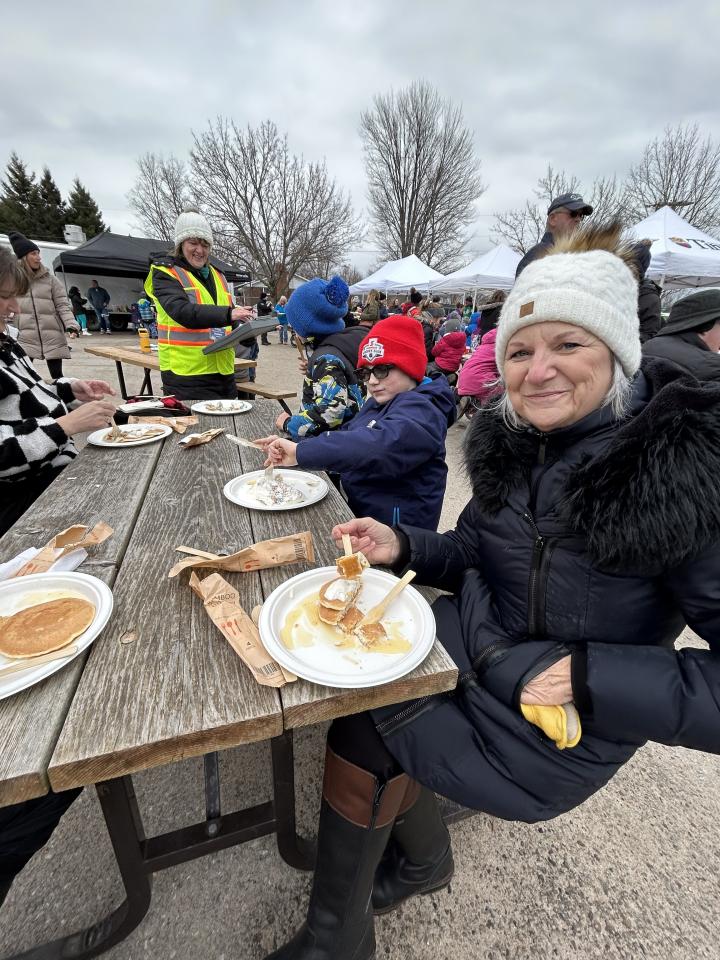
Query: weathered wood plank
<point x="135" y="357"/>
<point x="94" y="487"/>
<point x="178" y="690"/>
<point x="303" y="702"/>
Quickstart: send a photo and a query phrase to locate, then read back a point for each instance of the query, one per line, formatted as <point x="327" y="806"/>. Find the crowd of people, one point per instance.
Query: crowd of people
<point x="591" y="535"/>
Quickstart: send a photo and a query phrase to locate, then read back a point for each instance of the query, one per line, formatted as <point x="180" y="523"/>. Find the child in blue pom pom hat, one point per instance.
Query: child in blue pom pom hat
<point x="331" y="393"/>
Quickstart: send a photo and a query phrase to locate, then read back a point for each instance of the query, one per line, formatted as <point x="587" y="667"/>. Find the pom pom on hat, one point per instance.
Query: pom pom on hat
<point x="191" y="223"/>
<point x="21" y="245"/>
<point x="397" y="340"/>
<point x="588" y="280"/>
<point x="317" y="307"/>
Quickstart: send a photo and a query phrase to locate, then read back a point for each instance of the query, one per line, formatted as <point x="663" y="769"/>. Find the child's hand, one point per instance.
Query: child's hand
<point x="281" y="453"/>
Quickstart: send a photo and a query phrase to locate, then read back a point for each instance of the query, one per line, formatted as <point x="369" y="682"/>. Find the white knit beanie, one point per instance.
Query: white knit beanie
<point x="595" y="290"/>
<point x="191" y="223"/>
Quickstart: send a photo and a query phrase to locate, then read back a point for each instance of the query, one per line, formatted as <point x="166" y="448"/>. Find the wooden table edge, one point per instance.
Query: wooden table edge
<point x="26" y="786"/>
<point x="118" y="763"/>
<point x="319" y="711"/>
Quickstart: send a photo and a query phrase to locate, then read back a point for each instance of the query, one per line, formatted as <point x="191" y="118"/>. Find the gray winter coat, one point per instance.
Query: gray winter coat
<point x="45" y="317"/>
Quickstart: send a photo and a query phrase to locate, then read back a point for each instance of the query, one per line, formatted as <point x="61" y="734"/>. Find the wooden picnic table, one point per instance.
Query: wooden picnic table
<point x="177" y="689"/>
<point x="149" y="361"/>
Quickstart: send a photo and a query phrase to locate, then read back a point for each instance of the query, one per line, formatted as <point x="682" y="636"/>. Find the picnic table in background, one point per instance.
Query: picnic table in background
<point x="149" y="361"/>
<point x="161" y="683"/>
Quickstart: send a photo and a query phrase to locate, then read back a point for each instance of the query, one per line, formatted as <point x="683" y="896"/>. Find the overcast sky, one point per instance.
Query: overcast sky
<point x="90" y="86"/>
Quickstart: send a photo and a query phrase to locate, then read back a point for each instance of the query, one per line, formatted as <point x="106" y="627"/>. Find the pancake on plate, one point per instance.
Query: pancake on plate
<point x="44" y="627"/>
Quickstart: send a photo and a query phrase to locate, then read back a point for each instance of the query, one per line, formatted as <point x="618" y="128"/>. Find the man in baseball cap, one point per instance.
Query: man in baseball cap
<point x="691" y="337"/>
<point x="564" y="215"/>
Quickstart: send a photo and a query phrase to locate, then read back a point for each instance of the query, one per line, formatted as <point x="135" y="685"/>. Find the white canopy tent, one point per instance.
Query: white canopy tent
<point x="399" y="275"/>
<point x="681" y="255"/>
<point x="493" y="270"/>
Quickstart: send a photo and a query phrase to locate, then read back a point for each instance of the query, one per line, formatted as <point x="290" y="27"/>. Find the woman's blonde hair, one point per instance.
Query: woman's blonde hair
<point x="13" y="274"/>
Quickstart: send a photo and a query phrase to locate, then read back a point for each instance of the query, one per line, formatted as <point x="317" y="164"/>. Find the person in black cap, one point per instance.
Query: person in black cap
<point x="691" y="337"/>
<point x="564" y="215"/>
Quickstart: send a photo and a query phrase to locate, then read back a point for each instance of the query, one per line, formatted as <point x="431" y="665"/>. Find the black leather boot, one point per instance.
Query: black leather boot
<point x="356" y="818"/>
<point x="419" y="856"/>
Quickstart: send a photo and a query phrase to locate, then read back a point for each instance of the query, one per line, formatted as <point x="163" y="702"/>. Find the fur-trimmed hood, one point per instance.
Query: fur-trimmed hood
<point x="645" y="496"/>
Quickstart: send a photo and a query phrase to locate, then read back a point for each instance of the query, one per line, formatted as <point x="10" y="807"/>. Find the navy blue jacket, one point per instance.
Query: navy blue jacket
<point x="391" y="458"/>
<point x="602" y="540"/>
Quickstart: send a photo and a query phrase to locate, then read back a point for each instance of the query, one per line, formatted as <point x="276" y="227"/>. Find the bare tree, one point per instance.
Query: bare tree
<point x="161" y="191"/>
<point x="270" y="210"/>
<point x="423" y="175"/>
<point x="522" y="227"/>
<point x="682" y="171"/>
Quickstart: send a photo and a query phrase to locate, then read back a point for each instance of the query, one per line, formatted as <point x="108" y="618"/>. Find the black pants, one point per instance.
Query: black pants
<point x="26" y="827"/>
<point x="54" y="368"/>
<point x="356" y="740"/>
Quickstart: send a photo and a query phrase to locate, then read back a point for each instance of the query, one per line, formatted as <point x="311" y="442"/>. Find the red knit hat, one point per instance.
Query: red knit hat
<point x="397" y="340"/>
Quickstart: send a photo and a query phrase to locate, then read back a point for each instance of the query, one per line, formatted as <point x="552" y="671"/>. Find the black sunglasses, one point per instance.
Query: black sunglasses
<point x="380" y="371"/>
<point x="576" y="213"/>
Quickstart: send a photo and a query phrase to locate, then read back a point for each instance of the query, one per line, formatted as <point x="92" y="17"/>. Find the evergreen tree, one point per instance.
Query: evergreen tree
<point x="20" y="199"/>
<point x="52" y="209"/>
<point x="82" y="210"/>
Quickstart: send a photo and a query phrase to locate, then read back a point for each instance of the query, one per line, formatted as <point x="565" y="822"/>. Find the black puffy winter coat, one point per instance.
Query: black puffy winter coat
<point x="601" y="539"/>
<point x="688" y="351"/>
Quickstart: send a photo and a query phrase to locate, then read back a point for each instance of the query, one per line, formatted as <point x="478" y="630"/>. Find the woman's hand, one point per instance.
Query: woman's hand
<point x="281" y="453"/>
<point x="90" y="416"/>
<point x="378" y="542"/>
<point x="552" y="686"/>
<point x="241" y="314"/>
<point x="87" y="390"/>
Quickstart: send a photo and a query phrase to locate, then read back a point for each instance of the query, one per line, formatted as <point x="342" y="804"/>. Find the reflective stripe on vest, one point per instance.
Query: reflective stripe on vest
<point x="179" y="348"/>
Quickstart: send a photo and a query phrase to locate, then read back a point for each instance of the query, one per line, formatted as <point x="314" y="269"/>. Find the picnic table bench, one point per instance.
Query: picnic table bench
<point x="149" y="361"/>
<point x="175" y="689"/>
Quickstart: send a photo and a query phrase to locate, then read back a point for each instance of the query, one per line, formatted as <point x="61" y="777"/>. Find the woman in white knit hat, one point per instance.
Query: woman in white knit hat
<point x="591" y="539"/>
<point x="194" y="307"/>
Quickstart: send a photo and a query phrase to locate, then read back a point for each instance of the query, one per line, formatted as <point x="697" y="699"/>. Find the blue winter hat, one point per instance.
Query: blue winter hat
<point x="317" y="307"/>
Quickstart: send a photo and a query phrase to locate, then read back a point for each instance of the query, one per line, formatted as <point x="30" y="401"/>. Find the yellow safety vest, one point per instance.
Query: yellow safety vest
<point x="180" y="349"/>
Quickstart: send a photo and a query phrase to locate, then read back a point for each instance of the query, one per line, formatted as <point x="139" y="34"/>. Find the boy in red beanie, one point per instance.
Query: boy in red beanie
<point x="391" y="456"/>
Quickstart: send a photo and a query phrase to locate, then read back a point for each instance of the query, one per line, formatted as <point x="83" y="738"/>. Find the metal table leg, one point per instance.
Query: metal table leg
<point x="121" y="380"/>
<point x="285" y="407"/>
<point x="122" y="817"/>
<point x="138" y="858"/>
<point x="146" y="389"/>
<point x="296" y="851"/>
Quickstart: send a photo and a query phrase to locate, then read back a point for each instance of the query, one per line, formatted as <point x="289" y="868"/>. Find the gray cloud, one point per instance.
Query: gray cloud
<point x="582" y="87"/>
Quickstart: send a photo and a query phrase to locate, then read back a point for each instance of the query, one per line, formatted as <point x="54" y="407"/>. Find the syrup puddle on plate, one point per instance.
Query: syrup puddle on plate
<point x="304" y="628"/>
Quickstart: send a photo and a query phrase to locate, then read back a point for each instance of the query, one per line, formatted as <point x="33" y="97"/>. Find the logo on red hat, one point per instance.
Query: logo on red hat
<point x="373" y="350"/>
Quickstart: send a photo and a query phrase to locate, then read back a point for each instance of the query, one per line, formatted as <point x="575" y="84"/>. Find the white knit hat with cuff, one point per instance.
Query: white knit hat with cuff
<point x="595" y="290"/>
<point x="191" y="223"/>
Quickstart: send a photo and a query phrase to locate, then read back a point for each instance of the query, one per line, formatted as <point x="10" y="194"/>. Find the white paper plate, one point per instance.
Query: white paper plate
<point x="230" y="407"/>
<point x="96" y="439"/>
<point x="240" y="489"/>
<point x="337" y="667"/>
<point x="25" y="591"/>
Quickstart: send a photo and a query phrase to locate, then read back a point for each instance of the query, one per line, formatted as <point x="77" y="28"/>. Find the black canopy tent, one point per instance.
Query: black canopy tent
<point x="114" y="255"/>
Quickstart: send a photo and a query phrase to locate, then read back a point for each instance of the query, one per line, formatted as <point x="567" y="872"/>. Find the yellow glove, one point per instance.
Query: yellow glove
<point x="560" y="723"/>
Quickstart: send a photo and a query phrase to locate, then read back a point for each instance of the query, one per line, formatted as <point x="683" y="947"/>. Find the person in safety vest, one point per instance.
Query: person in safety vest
<point x="194" y="307"/>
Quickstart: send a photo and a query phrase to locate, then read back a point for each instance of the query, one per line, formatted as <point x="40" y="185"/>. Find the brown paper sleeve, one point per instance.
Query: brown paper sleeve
<point x="294" y="548"/>
<point x="65" y="542"/>
<point x="222" y="603"/>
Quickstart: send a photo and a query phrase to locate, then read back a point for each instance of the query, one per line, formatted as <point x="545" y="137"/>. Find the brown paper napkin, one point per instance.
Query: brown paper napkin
<point x="195" y="439"/>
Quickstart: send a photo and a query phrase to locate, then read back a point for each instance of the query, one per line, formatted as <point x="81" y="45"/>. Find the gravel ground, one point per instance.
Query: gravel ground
<point x="633" y="873"/>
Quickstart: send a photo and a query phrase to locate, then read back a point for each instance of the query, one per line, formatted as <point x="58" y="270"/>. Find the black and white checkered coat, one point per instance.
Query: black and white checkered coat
<point x="31" y="442"/>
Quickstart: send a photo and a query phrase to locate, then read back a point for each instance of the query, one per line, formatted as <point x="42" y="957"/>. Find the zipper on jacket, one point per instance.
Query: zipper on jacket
<point x="483" y="661"/>
<point x="533" y="593"/>
<point x="399" y="719"/>
<point x="377" y="799"/>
